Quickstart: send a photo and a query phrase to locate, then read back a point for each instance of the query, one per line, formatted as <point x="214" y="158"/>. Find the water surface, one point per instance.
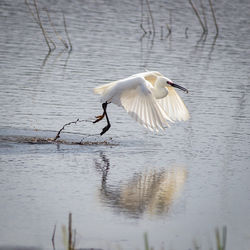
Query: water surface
<point x="177" y="186"/>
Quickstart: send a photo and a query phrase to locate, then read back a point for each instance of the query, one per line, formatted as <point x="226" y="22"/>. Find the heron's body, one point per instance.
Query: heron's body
<point x="148" y="97"/>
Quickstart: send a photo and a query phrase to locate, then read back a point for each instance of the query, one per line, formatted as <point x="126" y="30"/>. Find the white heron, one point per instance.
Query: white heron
<point x="148" y="97"/>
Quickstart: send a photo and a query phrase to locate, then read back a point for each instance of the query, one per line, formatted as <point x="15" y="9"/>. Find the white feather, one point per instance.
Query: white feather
<point x="141" y="106"/>
<point x="173" y="105"/>
<point x="137" y="95"/>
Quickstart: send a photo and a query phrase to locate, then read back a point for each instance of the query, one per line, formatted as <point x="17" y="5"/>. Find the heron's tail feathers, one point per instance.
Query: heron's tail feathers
<point x="101" y="90"/>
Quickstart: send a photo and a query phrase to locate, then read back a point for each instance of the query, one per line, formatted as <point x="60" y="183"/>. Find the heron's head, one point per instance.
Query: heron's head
<point x="169" y="82"/>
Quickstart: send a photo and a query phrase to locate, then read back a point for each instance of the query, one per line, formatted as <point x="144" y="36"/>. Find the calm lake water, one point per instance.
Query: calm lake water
<point x="177" y="186"/>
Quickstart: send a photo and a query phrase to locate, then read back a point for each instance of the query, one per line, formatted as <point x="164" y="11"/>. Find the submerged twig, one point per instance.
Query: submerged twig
<point x="215" y="22"/>
<point x="53" y="237"/>
<point x="145" y="32"/>
<point x="202" y="38"/>
<point x="169" y="31"/>
<point x="66" y="61"/>
<point x="198" y="15"/>
<point x="186" y="32"/>
<point x="212" y="47"/>
<point x="53" y="26"/>
<point x="46" y="58"/>
<point x="67" y="34"/>
<point x="161" y="32"/>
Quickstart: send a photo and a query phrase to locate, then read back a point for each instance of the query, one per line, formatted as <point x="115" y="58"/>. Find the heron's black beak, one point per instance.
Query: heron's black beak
<point x="179" y="87"/>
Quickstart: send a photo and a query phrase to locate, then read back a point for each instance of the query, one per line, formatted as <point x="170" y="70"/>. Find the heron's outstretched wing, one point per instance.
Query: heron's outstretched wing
<point x="150" y="76"/>
<point x="142" y="106"/>
<point x="173" y="105"/>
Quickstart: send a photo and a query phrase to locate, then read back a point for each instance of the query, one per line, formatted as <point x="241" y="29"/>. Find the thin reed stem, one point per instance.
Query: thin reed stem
<point x="67" y="34"/>
<point x="54" y="29"/>
<point x="169" y="27"/>
<point x="204" y="15"/>
<point x="151" y="16"/>
<point x="141" y="25"/>
<point x="198" y="15"/>
<point x="146" y="241"/>
<point x="74" y="239"/>
<point x="186" y="32"/>
<point x="224" y="237"/>
<point x="70" y="232"/>
<point x="38" y="21"/>
<point x="215" y="22"/>
<point x="53" y="237"/>
<point x="31" y="11"/>
<point x="145" y="32"/>
<point x="41" y="26"/>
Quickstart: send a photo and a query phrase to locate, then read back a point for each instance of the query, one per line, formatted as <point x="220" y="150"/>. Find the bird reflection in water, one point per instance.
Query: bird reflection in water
<point x="103" y="168"/>
<point x="151" y="191"/>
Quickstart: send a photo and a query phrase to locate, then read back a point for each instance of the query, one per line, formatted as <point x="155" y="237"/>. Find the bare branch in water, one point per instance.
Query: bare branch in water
<point x="141" y="25"/>
<point x="215" y="22"/>
<point x="65" y="125"/>
<point x="212" y="47"/>
<point x="57" y="34"/>
<point x="169" y="31"/>
<point x="48" y="40"/>
<point x="170" y="21"/>
<point x="151" y="16"/>
<point x="204" y="15"/>
<point x="31" y="11"/>
<point x="169" y="27"/>
<point x="67" y="34"/>
<point x="145" y="32"/>
<point x="38" y="21"/>
<point x="41" y="26"/>
<point x="46" y="58"/>
<point x="198" y="15"/>
<point x="186" y="32"/>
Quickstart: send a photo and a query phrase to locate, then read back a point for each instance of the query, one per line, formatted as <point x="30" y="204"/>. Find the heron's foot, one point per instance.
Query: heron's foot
<point x="99" y="118"/>
<point x="105" y="129"/>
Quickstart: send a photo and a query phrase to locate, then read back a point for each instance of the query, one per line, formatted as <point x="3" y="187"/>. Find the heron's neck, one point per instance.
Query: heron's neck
<point x="159" y="91"/>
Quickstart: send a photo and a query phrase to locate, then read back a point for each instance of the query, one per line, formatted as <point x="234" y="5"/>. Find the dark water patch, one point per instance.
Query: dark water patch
<point x="9" y="135"/>
<point x="39" y="140"/>
<point x="19" y="248"/>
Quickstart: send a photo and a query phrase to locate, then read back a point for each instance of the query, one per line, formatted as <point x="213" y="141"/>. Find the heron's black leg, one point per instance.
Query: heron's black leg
<point x="105" y="129"/>
<point x="100" y="117"/>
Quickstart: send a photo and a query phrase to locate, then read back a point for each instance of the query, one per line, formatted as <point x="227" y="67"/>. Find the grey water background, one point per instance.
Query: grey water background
<point x="177" y="186"/>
